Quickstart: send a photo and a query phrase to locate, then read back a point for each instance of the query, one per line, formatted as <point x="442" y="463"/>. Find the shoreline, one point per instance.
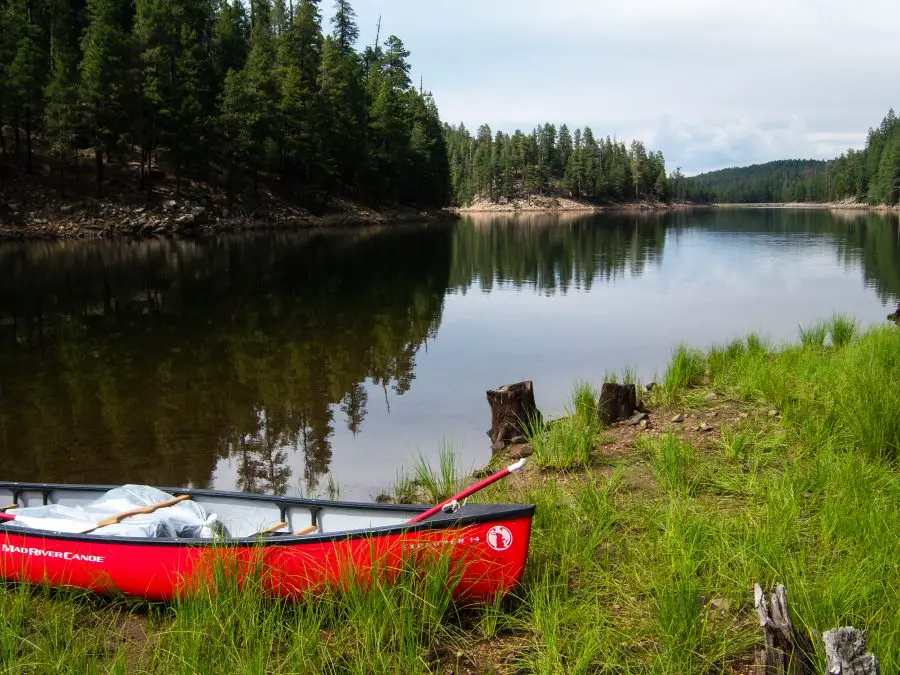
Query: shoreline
<point x="186" y="219"/>
<point x="539" y="204"/>
<point x="831" y="206"/>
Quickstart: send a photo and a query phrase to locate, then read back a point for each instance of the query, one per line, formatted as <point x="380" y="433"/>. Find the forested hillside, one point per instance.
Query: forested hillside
<point x="504" y="166"/>
<point x="788" y="180"/>
<point x="870" y="175"/>
<point x="231" y="92"/>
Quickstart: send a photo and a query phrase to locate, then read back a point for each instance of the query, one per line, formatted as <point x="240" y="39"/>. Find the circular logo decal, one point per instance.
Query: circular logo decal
<point x="499" y="538"/>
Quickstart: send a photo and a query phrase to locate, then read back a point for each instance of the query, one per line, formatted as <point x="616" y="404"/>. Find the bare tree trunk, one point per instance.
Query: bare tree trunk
<point x="98" y="166"/>
<point x="16" y="132"/>
<point x="28" y="168"/>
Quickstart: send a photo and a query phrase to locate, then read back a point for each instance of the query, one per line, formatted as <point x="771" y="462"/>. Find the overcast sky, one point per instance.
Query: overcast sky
<point x="711" y="83"/>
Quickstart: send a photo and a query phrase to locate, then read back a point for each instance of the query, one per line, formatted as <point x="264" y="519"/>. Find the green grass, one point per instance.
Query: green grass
<point x="814" y="336"/>
<point x="686" y="369"/>
<point x="441" y="482"/>
<point x="644" y="564"/>
<point x="842" y="330"/>
<point x="568" y="443"/>
<point x="671" y="459"/>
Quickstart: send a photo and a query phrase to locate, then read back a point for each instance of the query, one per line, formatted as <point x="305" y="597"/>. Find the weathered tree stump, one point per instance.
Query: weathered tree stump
<point x="513" y="411"/>
<point x="787" y="650"/>
<point x="845" y="649"/>
<point x="617" y="402"/>
<point x="895" y="315"/>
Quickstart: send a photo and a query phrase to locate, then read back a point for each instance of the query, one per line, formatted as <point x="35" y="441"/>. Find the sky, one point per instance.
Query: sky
<point x="711" y="83"/>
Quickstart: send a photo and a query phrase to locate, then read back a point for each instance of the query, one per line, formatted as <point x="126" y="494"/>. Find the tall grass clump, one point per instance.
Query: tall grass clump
<point x="842" y="330"/>
<point x="758" y="344"/>
<point x="863" y="400"/>
<point x="814" y="335"/>
<point x="686" y="369"/>
<point x="567" y="443"/>
<point x="441" y="482"/>
<point x="564" y="444"/>
<point x="722" y="358"/>
<point x="584" y="402"/>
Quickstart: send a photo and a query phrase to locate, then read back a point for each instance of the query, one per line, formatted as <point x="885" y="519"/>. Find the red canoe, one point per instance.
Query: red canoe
<point x="486" y="544"/>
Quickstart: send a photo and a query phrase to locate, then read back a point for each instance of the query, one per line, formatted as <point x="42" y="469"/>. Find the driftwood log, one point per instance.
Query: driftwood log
<point x="617" y="402"/>
<point x="845" y="649"/>
<point x="787" y="651"/>
<point x="513" y="411"/>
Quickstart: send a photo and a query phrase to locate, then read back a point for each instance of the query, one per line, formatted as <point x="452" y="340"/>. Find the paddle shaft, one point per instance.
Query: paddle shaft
<point x="472" y="489"/>
<point x="112" y="520"/>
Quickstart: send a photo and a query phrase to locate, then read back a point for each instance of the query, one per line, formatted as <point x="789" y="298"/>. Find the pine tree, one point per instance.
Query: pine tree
<point x="105" y="75"/>
<point x="301" y="110"/>
<point x="61" y="94"/>
<point x="564" y="150"/>
<point x="249" y="100"/>
<point x="346" y="32"/>
<point x="26" y="77"/>
<point x="231" y="39"/>
<point x="344" y="97"/>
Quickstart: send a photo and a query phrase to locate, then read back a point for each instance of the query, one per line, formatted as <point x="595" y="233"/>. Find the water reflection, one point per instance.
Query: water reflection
<point x="163" y="362"/>
<point x="151" y="361"/>
<point x="553" y="253"/>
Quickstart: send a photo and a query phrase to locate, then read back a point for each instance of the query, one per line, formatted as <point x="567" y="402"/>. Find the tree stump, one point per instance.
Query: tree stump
<point x="617" y="402"/>
<point x="787" y="650"/>
<point x="895" y="315"/>
<point x="513" y="412"/>
<point x="845" y="649"/>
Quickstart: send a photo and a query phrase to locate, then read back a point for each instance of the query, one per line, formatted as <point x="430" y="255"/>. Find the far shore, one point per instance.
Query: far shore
<point x="547" y="204"/>
<point x="562" y="205"/>
<point x="833" y="206"/>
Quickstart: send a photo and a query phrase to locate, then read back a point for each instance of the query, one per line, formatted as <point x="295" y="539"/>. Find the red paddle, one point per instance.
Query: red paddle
<point x="480" y="485"/>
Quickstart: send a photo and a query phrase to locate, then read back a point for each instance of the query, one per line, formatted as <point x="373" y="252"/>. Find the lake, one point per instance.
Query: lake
<point x="288" y="362"/>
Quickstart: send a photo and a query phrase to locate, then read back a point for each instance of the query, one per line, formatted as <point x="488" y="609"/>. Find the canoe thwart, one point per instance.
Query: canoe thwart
<point x="274" y="528"/>
<point x="8" y="507"/>
<point x="306" y="530"/>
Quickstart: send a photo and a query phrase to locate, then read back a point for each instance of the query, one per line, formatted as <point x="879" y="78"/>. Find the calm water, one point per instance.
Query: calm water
<point x="269" y="362"/>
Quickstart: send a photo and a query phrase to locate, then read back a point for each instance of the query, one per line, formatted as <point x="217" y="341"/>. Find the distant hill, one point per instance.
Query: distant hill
<point x="786" y="180"/>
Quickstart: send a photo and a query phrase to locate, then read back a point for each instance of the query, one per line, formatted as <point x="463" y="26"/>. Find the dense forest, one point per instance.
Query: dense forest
<point x="505" y="166"/>
<point x="787" y="180"/>
<point x="870" y="175"/>
<point x="226" y="91"/>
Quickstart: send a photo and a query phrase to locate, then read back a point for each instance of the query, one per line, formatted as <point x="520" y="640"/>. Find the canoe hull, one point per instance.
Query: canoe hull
<point x="486" y="557"/>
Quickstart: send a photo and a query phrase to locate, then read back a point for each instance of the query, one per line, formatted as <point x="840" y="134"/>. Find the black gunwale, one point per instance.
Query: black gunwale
<point x="487" y="513"/>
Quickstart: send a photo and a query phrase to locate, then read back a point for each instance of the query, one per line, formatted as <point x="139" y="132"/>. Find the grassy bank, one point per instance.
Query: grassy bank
<point x="647" y="542"/>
